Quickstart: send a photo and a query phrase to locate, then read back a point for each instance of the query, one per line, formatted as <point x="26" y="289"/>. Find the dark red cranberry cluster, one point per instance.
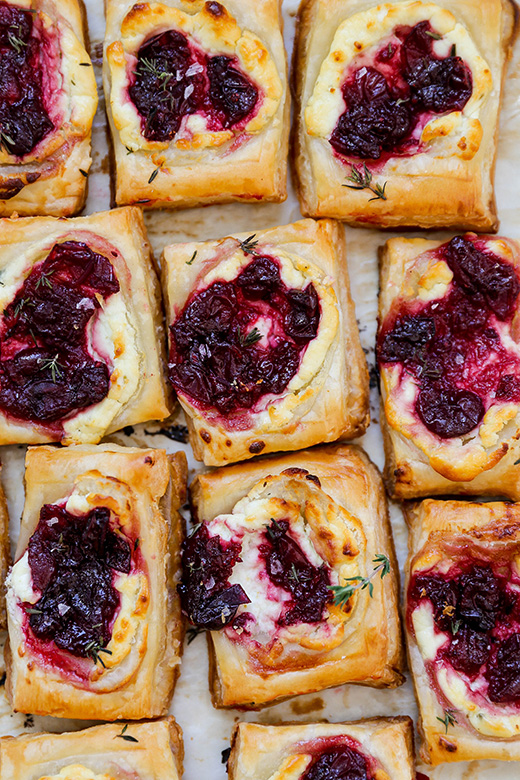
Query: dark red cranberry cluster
<point x="288" y="567"/>
<point x="46" y="370"/>
<point x="385" y="101"/>
<point x="173" y="79"/>
<point x="72" y="560"/>
<point x="216" y="357"/>
<point x="211" y="602"/>
<point x="338" y="763"/>
<point x="481" y="615"/>
<point x="452" y="346"/>
<point x="24" y="120"/>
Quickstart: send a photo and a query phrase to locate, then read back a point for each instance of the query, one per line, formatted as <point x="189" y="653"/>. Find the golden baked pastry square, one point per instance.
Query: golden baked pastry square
<point x="293" y="574"/>
<point x="397" y="110"/>
<point x="382" y="747"/>
<point x="81" y="329"/>
<point x="95" y="629"/>
<point x="49" y="98"/>
<point x="197" y="101"/>
<point x="449" y="358"/>
<point x="145" y="750"/>
<point x="462" y="623"/>
<point x="264" y="345"/>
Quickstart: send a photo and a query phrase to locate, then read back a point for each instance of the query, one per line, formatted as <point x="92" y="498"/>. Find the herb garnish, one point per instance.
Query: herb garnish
<point x="153" y="175"/>
<point x="93" y="650"/>
<point x="15" y="41"/>
<point x="434" y="35"/>
<point x="44" y="279"/>
<point x="248" y="245"/>
<point x="190" y="261"/>
<point x="343" y="593"/>
<point x="250" y="338"/>
<point x="363" y="181"/>
<point x="448" y="720"/>
<point x="126" y="736"/>
<point x="4" y="140"/>
<point x="53" y="366"/>
<point x="192" y="633"/>
<point x="83" y="173"/>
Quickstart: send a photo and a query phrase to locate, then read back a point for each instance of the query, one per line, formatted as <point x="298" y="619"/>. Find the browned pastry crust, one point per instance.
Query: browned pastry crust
<point x="133" y="320"/>
<point x="200" y="166"/>
<point x="53" y="179"/>
<point x="439" y="531"/>
<point x="344" y="500"/>
<point x="5" y="554"/>
<point x="278" y="752"/>
<point x="145" y="488"/>
<point x="96" y="753"/>
<point x="417" y="463"/>
<point x="441" y="187"/>
<point x="331" y="400"/>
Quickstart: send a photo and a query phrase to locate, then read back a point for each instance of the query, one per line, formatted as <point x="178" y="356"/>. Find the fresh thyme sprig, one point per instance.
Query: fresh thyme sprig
<point x="93" y="650"/>
<point x="434" y="35"/>
<point x="153" y="175"/>
<point x="248" y="339"/>
<point x="126" y="736"/>
<point x="362" y="180"/>
<point x="249" y="245"/>
<point x="448" y="720"/>
<point x="15" y="41"/>
<point x="343" y="593"/>
<point x="44" y="279"/>
<point x="53" y="366"/>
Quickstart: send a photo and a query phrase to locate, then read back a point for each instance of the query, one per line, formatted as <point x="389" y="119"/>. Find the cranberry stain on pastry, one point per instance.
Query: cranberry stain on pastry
<point x="449" y="355"/>
<point x="266" y="574"/>
<point x="413" y="82"/>
<point x="80" y="590"/>
<point x="188" y="81"/>
<point x="252" y="345"/>
<point x="48" y="99"/>
<point x="66" y="342"/>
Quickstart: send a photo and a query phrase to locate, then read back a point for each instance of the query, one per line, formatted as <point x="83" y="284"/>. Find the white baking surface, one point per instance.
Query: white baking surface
<point x="206" y="730"/>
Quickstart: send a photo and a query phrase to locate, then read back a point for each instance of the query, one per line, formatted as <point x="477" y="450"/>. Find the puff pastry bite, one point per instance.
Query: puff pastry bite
<point x="48" y="100"/>
<point x="275" y="572"/>
<point x="155" y="752"/>
<point x="197" y="100"/>
<point x="370" y="749"/>
<point x="398" y="109"/>
<point x="95" y="629"/>
<point x="264" y="346"/>
<point x="463" y="627"/>
<point x="449" y="357"/>
<point x="81" y="328"/>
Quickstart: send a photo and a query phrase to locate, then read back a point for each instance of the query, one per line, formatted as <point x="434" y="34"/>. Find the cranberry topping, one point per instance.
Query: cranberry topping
<point x="451" y="346"/>
<point x="217" y="357"/>
<point x="481" y="616"/>
<point x="338" y="763"/>
<point x="24" y="121"/>
<point x="207" y="597"/>
<point x="72" y="560"/>
<point x="46" y="371"/>
<point x="288" y="567"/>
<point x="386" y="100"/>
<point x="173" y="78"/>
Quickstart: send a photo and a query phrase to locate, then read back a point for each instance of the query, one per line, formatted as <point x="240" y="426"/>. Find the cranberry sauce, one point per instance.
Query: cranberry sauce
<point x="288" y="567"/>
<point x="481" y="615"/>
<point x="386" y="99"/>
<point x="452" y="347"/>
<point x="207" y="597"/>
<point x="24" y="121"/>
<point x="173" y="78"/>
<point x="338" y="763"/>
<point x="218" y="357"/>
<point x="46" y="371"/>
<point x="73" y="560"/>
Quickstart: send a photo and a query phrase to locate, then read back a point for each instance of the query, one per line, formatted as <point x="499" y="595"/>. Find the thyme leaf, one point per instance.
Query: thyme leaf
<point x="153" y="175"/>
<point x="434" y="35"/>
<point x="192" y="633"/>
<point x="362" y="180"/>
<point x="448" y="720"/>
<point x="343" y="593"/>
<point x="190" y="261"/>
<point x="93" y="650"/>
<point x="15" y="41"/>
<point x="53" y="366"/>
<point x="250" y="338"/>
<point x="125" y="736"/>
<point x="248" y="245"/>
